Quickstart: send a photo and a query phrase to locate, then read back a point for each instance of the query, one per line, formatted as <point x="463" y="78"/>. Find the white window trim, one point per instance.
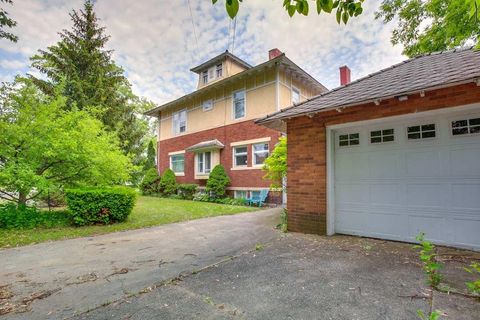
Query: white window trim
<point x="299" y="95"/>
<point x="423" y="123"/>
<point x="235" y="192"/>
<point x="244" y="104"/>
<point x="254" y="164"/>
<point x="216" y="70"/>
<point x="211" y="105"/>
<point x="381" y="136"/>
<point x="170" y="155"/>
<point x="245" y="142"/>
<point x="235" y="166"/>
<point x="460" y="118"/>
<point x="175" y="133"/>
<point x="198" y="161"/>
<point x="203" y="78"/>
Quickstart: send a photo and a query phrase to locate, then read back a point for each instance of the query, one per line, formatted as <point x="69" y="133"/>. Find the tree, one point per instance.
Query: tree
<point x="6" y="21"/>
<point x="432" y="25"/>
<point x="345" y="9"/>
<point x="150" y="182"/>
<point x="151" y="156"/>
<point x="168" y="182"/>
<point x="275" y="165"/>
<point x="93" y="82"/>
<point x="44" y="147"/>
<point x="217" y="182"/>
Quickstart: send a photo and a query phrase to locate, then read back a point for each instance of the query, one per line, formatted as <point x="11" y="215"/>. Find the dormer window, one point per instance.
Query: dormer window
<point x="211" y="73"/>
<point x="205" y="77"/>
<point x="219" y="70"/>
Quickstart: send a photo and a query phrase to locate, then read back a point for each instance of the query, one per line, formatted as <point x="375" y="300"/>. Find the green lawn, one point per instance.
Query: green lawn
<point x="149" y="211"/>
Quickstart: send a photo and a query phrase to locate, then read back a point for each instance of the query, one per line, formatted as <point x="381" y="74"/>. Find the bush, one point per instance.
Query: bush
<point x="23" y="217"/>
<point x="150" y="183"/>
<point x="217" y="182"/>
<point x="168" y="183"/>
<point x="100" y="205"/>
<point x="187" y="190"/>
<point x="201" y="196"/>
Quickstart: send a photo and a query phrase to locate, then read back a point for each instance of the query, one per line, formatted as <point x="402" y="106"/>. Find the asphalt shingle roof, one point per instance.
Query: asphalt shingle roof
<point x="413" y="75"/>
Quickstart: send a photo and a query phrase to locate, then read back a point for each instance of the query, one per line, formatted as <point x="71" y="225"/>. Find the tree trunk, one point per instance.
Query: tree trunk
<point x="22" y="198"/>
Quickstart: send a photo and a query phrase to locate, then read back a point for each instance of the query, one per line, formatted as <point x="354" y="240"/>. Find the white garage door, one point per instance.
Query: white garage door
<point x="395" y="179"/>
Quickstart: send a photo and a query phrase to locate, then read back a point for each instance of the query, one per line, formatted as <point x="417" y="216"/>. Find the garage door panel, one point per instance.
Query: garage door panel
<point x="398" y="189"/>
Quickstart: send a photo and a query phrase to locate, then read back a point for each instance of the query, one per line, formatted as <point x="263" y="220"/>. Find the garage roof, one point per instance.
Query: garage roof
<point x="421" y="73"/>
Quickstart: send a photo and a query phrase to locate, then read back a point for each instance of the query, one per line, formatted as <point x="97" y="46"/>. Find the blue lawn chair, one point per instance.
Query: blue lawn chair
<point x="258" y="197"/>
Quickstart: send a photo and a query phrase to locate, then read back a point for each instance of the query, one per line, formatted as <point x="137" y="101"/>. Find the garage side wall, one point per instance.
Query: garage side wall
<point x="307" y="181"/>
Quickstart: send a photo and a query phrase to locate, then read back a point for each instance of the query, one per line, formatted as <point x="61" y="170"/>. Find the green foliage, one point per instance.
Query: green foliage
<point x="434" y="315"/>
<point x="275" y="165"/>
<point x="150" y="182"/>
<point x="44" y="147"/>
<point x="345" y="8"/>
<point x="283" y="225"/>
<point x="428" y="257"/>
<point x="474" y="286"/>
<point x="151" y="156"/>
<point x="23" y="217"/>
<point x="231" y="201"/>
<point x="217" y="182"/>
<point x="259" y="247"/>
<point x="187" y="190"/>
<point x="100" y="205"/>
<point x="168" y="183"/>
<point x="432" y="25"/>
<point x="6" y="21"/>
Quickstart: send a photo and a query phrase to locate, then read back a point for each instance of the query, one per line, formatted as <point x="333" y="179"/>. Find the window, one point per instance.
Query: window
<point x="204" y="162"/>
<point x="295" y="95"/>
<point x="467" y="126"/>
<point x="260" y="153"/>
<point x="379" y="136"/>
<point x="241" y="194"/>
<point x="219" y="70"/>
<point x="207" y="105"/>
<point x="177" y="163"/>
<point x="239" y="104"/>
<point x="352" y="139"/>
<point x="180" y="121"/>
<point x="205" y="76"/>
<point x="211" y="73"/>
<point x="423" y="131"/>
<point x="240" y="156"/>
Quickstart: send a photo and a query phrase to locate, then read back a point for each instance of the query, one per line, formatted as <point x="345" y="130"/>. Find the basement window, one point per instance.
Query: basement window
<point x="351" y="139"/>
<point x="380" y="136"/>
<point x="423" y="131"/>
<point x="466" y="127"/>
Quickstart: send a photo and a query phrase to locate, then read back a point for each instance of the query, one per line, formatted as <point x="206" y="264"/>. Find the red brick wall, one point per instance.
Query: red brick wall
<point x="307" y="184"/>
<point x="246" y="130"/>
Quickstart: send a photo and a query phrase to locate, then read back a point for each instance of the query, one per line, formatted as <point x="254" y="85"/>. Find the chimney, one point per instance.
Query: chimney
<point x="272" y="54"/>
<point x="345" y="75"/>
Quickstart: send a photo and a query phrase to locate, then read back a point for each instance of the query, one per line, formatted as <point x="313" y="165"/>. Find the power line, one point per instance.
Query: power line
<point x="234" y="30"/>
<point x="193" y="23"/>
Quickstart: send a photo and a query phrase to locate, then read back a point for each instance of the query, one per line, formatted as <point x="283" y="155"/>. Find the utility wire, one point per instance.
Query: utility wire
<point x="193" y="23"/>
<point x="234" y="30"/>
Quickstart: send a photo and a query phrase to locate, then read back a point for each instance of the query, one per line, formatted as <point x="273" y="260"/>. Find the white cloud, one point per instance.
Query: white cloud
<point x="155" y="44"/>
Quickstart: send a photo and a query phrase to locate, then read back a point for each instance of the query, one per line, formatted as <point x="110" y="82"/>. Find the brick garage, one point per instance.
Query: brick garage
<point x="413" y="182"/>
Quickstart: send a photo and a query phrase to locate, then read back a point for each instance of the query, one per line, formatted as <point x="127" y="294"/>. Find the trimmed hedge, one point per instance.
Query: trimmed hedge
<point x="150" y="182"/>
<point x="187" y="190"/>
<point x="168" y="183"/>
<point x="217" y="182"/>
<point x="100" y="205"/>
<point x="23" y="217"/>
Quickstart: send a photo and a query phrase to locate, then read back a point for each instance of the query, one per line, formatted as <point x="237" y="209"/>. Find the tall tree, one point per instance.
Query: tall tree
<point x="7" y="22"/>
<point x="42" y="146"/>
<point x="151" y="156"/>
<point x="432" y="25"/>
<point x="92" y="81"/>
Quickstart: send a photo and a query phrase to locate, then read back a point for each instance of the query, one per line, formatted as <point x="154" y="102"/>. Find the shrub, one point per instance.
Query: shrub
<point x="231" y="201"/>
<point x="187" y="190"/>
<point x="150" y="182"/>
<point x="429" y="264"/>
<point x="474" y="286"/>
<point x="100" y="205"/>
<point x="217" y="182"/>
<point x="201" y="196"/>
<point x="283" y="225"/>
<point x="168" y="183"/>
<point x="23" y="217"/>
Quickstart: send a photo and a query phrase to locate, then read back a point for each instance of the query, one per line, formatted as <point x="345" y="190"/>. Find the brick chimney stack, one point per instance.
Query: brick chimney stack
<point x="272" y="54"/>
<point x="345" y="75"/>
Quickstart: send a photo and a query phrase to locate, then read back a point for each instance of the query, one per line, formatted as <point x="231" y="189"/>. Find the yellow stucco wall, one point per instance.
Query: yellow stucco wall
<point x="229" y="68"/>
<point x="286" y="83"/>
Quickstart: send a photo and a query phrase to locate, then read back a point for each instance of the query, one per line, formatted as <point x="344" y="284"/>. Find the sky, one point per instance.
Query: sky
<point x="156" y="42"/>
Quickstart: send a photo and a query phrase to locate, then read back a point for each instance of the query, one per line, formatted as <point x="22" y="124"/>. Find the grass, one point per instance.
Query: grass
<point x="148" y="212"/>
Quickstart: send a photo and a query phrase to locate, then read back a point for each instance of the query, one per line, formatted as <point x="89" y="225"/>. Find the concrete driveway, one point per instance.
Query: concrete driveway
<point x="211" y="269"/>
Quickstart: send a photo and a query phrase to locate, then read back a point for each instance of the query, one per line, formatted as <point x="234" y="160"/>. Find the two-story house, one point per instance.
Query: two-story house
<point x="215" y="123"/>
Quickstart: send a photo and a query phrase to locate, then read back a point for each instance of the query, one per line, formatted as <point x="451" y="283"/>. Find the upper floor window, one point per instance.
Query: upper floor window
<point x="204" y="162"/>
<point x="421" y="131"/>
<point x="180" y="122"/>
<point x="295" y="95"/>
<point x="240" y="156"/>
<point x="239" y="104"/>
<point x="207" y="105"/>
<point x="260" y="153"/>
<point x="219" y="70"/>
<point x="211" y="73"/>
<point x="177" y="163"/>
<point x="467" y="126"/>
<point x="205" y="77"/>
